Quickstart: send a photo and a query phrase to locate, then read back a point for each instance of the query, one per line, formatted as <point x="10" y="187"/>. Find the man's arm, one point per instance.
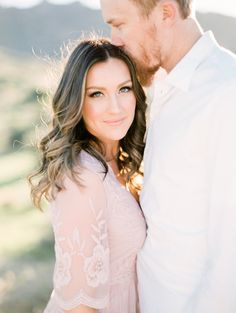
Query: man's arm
<point x="217" y="291"/>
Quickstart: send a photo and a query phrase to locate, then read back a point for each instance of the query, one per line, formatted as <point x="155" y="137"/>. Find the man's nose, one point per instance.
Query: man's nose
<point x="116" y="40"/>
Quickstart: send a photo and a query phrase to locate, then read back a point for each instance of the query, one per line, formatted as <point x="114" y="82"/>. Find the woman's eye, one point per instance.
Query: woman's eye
<point x="125" y="89"/>
<point x="95" y="94"/>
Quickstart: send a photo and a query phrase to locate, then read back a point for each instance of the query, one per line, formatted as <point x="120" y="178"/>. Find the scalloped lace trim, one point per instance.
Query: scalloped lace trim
<point x="84" y="299"/>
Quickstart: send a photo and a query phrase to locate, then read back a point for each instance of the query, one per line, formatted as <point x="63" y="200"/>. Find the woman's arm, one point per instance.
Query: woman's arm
<point x="81" y="244"/>
<point x="82" y="309"/>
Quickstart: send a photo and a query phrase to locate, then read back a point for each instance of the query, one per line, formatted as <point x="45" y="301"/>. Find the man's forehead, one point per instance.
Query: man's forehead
<point x="116" y="9"/>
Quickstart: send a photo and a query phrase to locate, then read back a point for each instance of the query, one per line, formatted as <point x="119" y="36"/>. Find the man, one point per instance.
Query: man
<point x="188" y="262"/>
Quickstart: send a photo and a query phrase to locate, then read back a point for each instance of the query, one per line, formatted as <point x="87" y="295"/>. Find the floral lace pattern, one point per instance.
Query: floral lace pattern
<point x="96" y="267"/>
<point x="62" y="274"/>
<point x="98" y="231"/>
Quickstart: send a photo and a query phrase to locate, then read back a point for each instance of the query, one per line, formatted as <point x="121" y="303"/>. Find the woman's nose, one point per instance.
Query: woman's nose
<point x="114" y="104"/>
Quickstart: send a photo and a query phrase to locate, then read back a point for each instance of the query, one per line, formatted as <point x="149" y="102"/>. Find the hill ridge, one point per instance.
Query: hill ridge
<point x="46" y="26"/>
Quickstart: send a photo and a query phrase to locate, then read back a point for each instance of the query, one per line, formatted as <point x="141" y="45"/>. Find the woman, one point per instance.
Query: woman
<point x="90" y="161"/>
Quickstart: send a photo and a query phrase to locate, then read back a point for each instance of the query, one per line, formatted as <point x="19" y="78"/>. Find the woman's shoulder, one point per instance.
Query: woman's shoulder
<point x="87" y="162"/>
<point x="87" y="179"/>
<point x="83" y="183"/>
<point x="88" y="171"/>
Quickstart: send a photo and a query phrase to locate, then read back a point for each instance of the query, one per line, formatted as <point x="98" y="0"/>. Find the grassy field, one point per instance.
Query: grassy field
<point x="26" y="241"/>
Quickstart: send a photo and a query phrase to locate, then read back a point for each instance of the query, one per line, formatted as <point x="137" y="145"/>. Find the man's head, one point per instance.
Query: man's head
<point x="146" y="6"/>
<point x="148" y="30"/>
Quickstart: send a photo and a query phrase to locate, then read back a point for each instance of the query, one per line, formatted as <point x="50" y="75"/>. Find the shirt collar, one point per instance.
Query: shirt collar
<point x="182" y="73"/>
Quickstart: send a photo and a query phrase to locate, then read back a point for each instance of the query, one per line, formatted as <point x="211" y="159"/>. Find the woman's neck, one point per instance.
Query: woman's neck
<point x="111" y="153"/>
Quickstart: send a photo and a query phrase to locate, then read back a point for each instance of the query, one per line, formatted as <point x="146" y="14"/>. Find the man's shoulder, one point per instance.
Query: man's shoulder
<point x="217" y="72"/>
<point x="223" y="64"/>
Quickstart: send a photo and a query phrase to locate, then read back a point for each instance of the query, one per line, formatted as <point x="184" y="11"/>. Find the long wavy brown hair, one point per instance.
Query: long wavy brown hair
<point x="68" y="135"/>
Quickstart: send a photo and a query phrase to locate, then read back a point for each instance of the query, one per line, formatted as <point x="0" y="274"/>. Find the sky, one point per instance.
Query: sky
<point x="226" y="7"/>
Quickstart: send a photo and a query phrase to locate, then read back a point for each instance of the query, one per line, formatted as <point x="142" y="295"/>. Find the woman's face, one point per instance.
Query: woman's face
<point x="109" y="103"/>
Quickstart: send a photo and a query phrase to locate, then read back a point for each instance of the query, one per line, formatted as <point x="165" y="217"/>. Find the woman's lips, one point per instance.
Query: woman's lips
<point x="114" y="121"/>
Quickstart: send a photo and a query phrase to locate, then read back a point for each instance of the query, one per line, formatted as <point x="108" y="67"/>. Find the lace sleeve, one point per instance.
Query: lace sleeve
<point x="81" y="245"/>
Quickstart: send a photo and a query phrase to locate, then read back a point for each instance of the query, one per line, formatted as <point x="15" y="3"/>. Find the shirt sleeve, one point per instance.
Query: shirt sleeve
<point x="81" y="274"/>
<point x="217" y="292"/>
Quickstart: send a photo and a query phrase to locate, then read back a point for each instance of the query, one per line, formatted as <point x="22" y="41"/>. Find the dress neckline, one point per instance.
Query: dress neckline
<point x="99" y="166"/>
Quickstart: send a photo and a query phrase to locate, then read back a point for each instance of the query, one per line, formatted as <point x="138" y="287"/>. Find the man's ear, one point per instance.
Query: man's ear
<point x="169" y="10"/>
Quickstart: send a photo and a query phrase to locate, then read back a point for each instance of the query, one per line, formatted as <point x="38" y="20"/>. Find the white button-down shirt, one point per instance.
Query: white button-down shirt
<point x="188" y="262"/>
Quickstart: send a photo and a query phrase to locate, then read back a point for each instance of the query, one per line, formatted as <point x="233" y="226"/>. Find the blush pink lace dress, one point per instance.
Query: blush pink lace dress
<point x="99" y="229"/>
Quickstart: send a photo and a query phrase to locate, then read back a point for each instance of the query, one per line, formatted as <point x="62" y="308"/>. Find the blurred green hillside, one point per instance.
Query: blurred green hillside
<point x="26" y="247"/>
